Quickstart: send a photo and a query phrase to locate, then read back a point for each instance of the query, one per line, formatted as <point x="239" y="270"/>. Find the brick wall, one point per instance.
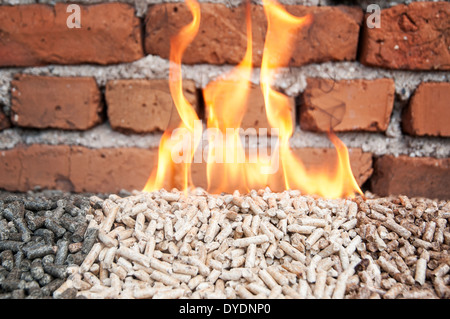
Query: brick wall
<point x="83" y="109"/>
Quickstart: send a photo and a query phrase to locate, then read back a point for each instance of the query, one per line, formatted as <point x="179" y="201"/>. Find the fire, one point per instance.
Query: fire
<point x="188" y="115"/>
<point x="231" y="165"/>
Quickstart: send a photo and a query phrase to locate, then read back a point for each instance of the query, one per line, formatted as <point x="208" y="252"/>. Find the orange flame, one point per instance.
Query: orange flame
<point x="188" y="115"/>
<point x="225" y="101"/>
<point x="230" y="165"/>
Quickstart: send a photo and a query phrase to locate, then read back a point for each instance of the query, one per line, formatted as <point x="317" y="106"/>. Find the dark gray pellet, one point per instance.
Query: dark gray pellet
<point x="45" y="280"/>
<point x="18" y="294"/>
<point x="25" y="265"/>
<point x="26" y="275"/>
<point x="36" y="269"/>
<point x="47" y="235"/>
<point x="37" y="205"/>
<point x="49" y="259"/>
<point x="78" y="234"/>
<point x="39" y="251"/>
<point x="18" y="258"/>
<point x="61" y="253"/>
<point x="12" y="245"/>
<point x="58" y="271"/>
<point x="14" y="236"/>
<point x="10" y="284"/>
<point x="34" y="222"/>
<point x="4" y="230"/>
<point x="50" y="287"/>
<point x="68" y="223"/>
<point x="89" y="240"/>
<point x="22" y="227"/>
<point x="52" y="225"/>
<point x="75" y="259"/>
<point x="7" y="258"/>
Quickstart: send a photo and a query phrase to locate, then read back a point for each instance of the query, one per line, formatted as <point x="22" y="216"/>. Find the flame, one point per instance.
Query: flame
<point x="225" y="102"/>
<point x="188" y="115"/>
<point x="231" y="166"/>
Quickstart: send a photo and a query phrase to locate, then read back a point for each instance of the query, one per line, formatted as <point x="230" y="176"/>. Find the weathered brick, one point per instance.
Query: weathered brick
<point x="221" y="39"/>
<point x="75" y="168"/>
<point x="72" y="103"/>
<point x="347" y="105"/>
<point x="110" y="169"/>
<point x="37" y="34"/>
<point x="4" y="121"/>
<point x="144" y="106"/>
<point x="411" y="176"/>
<point x="428" y="111"/>
<point x="24" y="168"/>
<point x="255" y="116"/>
<point x="413" y="37"/>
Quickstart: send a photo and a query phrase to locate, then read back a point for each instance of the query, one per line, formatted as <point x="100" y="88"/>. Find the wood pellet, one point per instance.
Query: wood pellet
<point x="166" y="244"/>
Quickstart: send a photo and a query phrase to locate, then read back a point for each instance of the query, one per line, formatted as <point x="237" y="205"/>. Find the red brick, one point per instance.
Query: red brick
<point x="144" y="106"/>
<point x="255" y="116"/>
<point x="411" y="176"/>
<point x="4" y="121"/>
<point x="347" y="105"/>
<point x="72" y="103"/>
<point x="46" y="166"/>
<point x="428" y="111"/>
<point x="413" y="37"/>
<point x="110" y="170"/>
<point x="221" y="39"/>
<point x="38" y="34"/>
<point x="75" y="169"/>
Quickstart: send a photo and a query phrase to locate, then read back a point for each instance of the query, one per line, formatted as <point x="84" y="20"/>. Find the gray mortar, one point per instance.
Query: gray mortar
<point x="292" y="81"/>
<point x="141" y="6"/>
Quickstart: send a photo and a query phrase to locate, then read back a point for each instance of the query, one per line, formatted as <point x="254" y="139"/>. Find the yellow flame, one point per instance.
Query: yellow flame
<point x="188" y="115"/>
<point x="225" y="101"/>
<point x="230" y="166"/>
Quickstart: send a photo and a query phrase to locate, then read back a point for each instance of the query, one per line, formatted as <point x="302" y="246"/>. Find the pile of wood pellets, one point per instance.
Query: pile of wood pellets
<point x="166" y="244"/>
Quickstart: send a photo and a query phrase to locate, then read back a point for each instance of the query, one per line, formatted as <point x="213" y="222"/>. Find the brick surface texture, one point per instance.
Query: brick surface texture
<point x="411" y="176"/>
<point x="72" y="103"/>
<point x="428" y="112"/>
<point x="221" y="39"/>
<point x="37" y="34"/>
<point x="75" y="168"/>
<point x="349" y="105"/>
<point x="413" y="37"/>
<point x="144" y="106"/>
